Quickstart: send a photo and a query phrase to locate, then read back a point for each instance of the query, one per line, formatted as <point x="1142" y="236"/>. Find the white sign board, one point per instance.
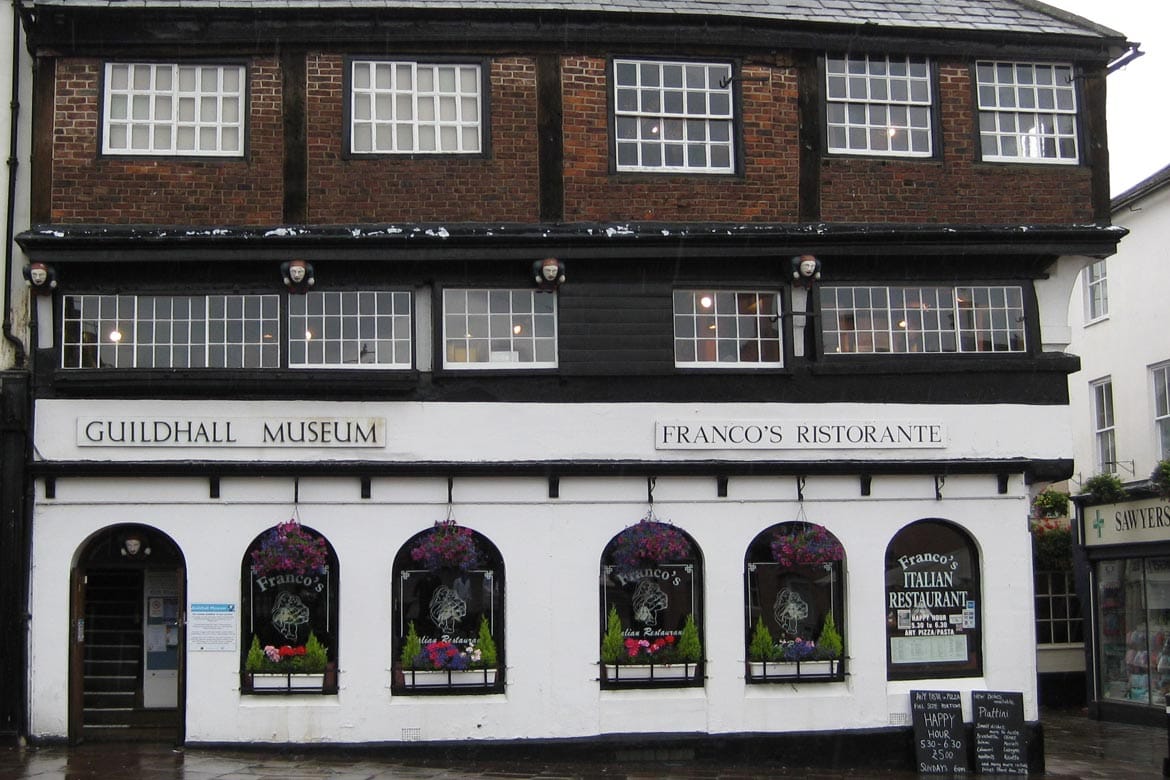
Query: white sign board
<point x="1132" y="521"/>
<point x="798" y="434"/>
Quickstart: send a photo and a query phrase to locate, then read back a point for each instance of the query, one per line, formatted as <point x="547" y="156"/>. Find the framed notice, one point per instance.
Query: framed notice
<point x="213" y="628"/>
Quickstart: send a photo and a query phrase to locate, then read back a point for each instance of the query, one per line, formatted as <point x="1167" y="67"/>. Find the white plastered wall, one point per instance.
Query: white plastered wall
<point x="551" y="550"/>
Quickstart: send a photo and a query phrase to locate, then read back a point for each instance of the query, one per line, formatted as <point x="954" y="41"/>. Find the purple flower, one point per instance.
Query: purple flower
<point x="805" y="544"/>
<point x="288" y="547"/>
<point x="647" y="542"/>
<point x="447" y="545"/>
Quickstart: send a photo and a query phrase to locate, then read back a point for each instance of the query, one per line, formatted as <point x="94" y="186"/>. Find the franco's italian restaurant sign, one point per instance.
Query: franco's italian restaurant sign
<point x="231" y="432"/>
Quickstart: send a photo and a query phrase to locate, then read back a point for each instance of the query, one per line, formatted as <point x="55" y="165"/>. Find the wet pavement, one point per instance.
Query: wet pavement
<point x="1076" y="747"/>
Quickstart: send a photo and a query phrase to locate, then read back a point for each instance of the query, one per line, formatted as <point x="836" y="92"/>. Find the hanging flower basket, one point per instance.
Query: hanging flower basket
<point x="649" y="541"/>
<point x="289" y="548"/>
<point x="805" y="544"/>
<point x="446" y="546"/>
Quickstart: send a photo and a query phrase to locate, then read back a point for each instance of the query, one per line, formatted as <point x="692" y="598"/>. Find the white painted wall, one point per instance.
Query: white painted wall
<point x="1124" y="345"/>
<point x="551" y="550"/>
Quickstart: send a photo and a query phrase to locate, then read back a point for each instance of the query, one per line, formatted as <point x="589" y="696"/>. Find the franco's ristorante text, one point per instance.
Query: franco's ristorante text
<point x="797" y="434"/>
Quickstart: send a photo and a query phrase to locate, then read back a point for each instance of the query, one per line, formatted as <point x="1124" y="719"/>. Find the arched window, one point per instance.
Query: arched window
<point x="651" y="608"/>
<point x="448" y="611"/>
<point x="933" y="603"/>
<point x="289" y="577"/>
<point x="795" y="596"/>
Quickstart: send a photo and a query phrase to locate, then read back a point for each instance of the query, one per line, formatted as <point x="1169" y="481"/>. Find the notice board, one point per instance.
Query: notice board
<point x="940" y="739"/>
<point x="1001" y="746"/>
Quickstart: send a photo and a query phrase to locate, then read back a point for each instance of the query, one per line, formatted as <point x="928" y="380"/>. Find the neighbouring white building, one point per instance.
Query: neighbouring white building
<point x="1121" y="405"/>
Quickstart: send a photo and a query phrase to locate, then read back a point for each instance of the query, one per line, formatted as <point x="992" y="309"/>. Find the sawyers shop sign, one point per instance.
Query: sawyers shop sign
<point x="231" y="432"/>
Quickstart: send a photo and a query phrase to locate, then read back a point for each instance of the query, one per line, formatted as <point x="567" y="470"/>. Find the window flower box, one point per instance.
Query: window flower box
<point x="639" y="673"/>
<point x="433" y="667"/>
<point x="271" y="681"/>
<point x="791" y="671"/>
<point x="449" y="678"/>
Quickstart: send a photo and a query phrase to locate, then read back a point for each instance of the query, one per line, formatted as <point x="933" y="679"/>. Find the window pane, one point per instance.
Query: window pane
<point x="650" y="98"/>
<point x="726" y="329"/>
<point x="499" y="329"/>
<point x="151" y="109"/>
<point x="923" y="319"/>
<point x="160" y="331"/>
<point x="1027" y="112"/>
<point x="423" y="108"/>
<point x="868" y="113"/>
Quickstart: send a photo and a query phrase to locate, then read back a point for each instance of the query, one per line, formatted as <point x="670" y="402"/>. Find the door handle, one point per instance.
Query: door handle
<point x="80" y="629"/>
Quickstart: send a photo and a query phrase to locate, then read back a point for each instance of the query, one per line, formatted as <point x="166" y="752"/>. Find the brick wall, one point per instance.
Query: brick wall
<point x="89" y="188"/>
<point x="504" y="186"/>
<point x="501" y="187"/>
<point x="956" y="188"/>
<point x="767" y="192"/>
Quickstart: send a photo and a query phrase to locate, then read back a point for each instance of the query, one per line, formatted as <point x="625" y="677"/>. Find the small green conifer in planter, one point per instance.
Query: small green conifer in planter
<point x="613" y="643"/>
<point x="411" y="647"/>
<point x="829" y="643"/>
<point x="762" y="646"/>
<point x="690" y="650"/>
<point x="488" y="656"/>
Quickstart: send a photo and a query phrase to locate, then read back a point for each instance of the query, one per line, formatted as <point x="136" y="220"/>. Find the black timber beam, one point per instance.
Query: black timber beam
<point x="494" y="241"/>
<point x="1032" y="469"/>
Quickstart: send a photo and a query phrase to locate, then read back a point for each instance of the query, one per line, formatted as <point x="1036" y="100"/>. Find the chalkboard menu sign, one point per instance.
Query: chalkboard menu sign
<point x="1001" y="747"/>
<point x="940" y="740"/>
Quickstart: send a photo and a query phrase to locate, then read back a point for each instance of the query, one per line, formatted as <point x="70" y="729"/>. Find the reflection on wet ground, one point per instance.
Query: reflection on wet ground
<point x="1076" y="747"/>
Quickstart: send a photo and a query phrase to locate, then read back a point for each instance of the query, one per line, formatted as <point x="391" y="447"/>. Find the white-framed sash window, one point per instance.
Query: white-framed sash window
<point x="174" y="109"/>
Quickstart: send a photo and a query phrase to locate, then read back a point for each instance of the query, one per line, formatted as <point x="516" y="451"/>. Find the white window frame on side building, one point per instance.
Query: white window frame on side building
<point x="409" y="107"/>
<point x="727" y="329"/>
<point x="673" y="117"/>
<point x="1027" y="112"/>
<point x="1161" y="377"/>
<point x="498" y="329"/>
<point x="170" y="109"/>
<point x="1104" y="425"/>
<point x="1096" y="292"/>
<point x="878" y="105"/>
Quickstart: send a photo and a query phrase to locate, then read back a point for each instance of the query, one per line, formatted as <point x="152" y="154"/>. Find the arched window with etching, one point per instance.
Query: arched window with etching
<point x="651" y="608"/>
<point x="289" y="577"/>
<point x="448" y="611"/>
<point x="795" y="583"/>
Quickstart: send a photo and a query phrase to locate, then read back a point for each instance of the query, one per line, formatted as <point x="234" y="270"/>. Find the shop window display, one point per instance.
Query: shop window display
<point x="1134" y="602"/>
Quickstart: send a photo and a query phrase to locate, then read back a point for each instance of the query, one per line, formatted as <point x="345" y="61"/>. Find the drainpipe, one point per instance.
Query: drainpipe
<point x="10" y="216"/>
